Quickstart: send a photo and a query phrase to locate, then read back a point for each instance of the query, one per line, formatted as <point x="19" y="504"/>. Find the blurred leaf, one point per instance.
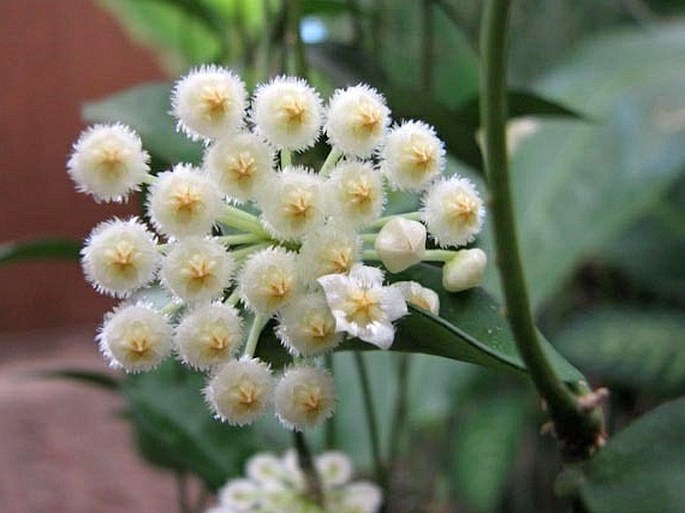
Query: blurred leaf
<point x="521" y="104"/>
<point x="455" y="63"/>
<point x="326" y="7"/>
<point x="146" y="109"/>
<point x="174" y="428"/>
<point x="651" y="251"/>
<point x="183" y="32"/>
<point x="576" y="185"/>
<point x="46" y="249"/>
<point x="95" y="378"/>
<point x="485" y="447"/>
<point x="629" y="347"/>
<point x="642" y="469"/>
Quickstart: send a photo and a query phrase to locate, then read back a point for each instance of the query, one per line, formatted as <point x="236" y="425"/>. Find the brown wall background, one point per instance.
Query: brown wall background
<point x="54" y="55"/>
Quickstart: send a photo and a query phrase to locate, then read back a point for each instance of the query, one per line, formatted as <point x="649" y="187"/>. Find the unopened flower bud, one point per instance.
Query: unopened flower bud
<point x="465" y="270"/>
<point x="417" y="295"/>
<point x="401" y="243"/>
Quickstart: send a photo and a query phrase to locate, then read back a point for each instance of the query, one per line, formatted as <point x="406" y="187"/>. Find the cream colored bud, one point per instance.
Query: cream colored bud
<point x="401" y="243"/>
<point x="465" y="270"/>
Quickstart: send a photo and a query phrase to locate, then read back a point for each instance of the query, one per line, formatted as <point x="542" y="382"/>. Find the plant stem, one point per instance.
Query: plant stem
<point x="382" y="221"/>
<point x="286" y="158"/>
<point x="294" y="13"/>
<point x="240" y="254"/>
<point x="370" y="417"/>
<point x="238" y="218"/>
<point x="401" y="409"/>
<point x="258" y="324"/>
<point x="577" y="432"/>
<point x="331" y="160"/>
<point x="330" y="423"/>
<point x="240" y="238"/>
<point x="306" y="463"/>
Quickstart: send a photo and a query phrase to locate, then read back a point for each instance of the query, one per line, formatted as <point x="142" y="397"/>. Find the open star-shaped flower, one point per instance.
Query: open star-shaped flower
<point x="362" y="306"/>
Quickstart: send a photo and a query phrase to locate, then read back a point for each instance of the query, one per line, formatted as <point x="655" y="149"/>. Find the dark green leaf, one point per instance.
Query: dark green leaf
<point x="485" y="446"/>
<point x="46" y="249"/>
<point x="642" y="469"/>
<point x="470" y="328"/>
<point x="175" y="429"/>
<point x="95" y="378"/>
<point x="629" y="347"/>
<point x="146" y="109"/>
<point x="521" y="104"/>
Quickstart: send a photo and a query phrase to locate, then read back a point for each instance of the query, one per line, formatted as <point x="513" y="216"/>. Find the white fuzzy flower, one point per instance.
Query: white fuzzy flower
<point x="240" y="495"/>
<point x="135" y="337"/>
<point x="418" y="295"/>
<point x="293" y="203"/>
<point x="465" y="270"/>
<point x="240" y="391"/>
<point x="209" y="102"/>
<point x="197" y="269"/>
<point x="307" y="326"/>
<point x="356" y="192"/>
<point x="184" y="202"/>
<point x="266" y="469"/>
<point x="361" y="497"/>
<point x="209" y="335"/>
<point x="287" y="113"/>
<point x="239" y="165"/>
<point x="120" y="256"/>
<point x="412" y="156"/>
<point x="401" y="243"/>
<point x="334" y="467"/>
<point x="304" y="397"/>
<point x="362" y="306"/>
<point x="453" y="211"/>
<point x="330" y="249"/>
<point x="269" y="280"/>
<point x="108" y="162"/>
<point x="357" y="120"/>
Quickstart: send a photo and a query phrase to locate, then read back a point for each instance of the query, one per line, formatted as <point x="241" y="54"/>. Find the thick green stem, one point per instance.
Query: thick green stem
<point x="241" y="220"/>
<point x="370" y="417"/>
<point x="331" y="160"/>
<point x="577" y="431"/>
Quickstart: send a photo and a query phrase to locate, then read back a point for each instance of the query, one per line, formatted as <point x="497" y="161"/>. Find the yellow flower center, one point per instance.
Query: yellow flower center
<point x="110" y="161"/>
<point x="319" y="329"/>
<point x="422" y="156"/>
<point x="294" y="111"/>
<point x="138" y="342"/>
<point x="363" y="306"/>
<point x="368" y="120"/>
<point x="186" y="199"/>
<point x="123" y="256"/>
<point x="339" y="261"/>
<point x="360" y="192"/>
<point x="248" y="395"/>
<point x="216" y="102"/>
<point x="200" y="271"/>
<point x="218" y="342"/>
<point x="463" y="209"/>
<point x="242" y="166"/>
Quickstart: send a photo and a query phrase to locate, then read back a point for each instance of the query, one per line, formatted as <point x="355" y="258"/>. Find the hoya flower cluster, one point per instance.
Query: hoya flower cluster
<point x="250" y="234"/>
<point x="277" y="485"/>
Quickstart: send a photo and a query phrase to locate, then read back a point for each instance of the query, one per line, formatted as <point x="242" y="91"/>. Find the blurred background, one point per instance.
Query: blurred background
<point x="598" y="115"/>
